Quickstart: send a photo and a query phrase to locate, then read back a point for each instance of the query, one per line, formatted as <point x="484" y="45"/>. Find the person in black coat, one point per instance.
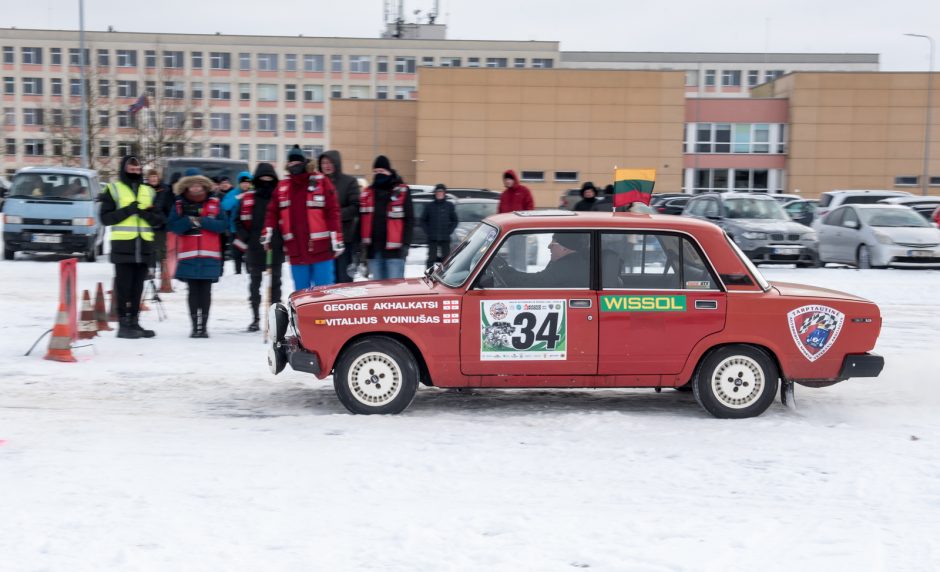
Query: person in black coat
<point x="439" y="220"/>
<point x="588" y="197"/>
<point x="248" y="238"/>
<point x="568" y="268"/>
<point x="330" y="163"/>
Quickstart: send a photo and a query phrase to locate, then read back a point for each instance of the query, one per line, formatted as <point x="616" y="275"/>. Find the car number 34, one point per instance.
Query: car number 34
<point x="523" y="329"/>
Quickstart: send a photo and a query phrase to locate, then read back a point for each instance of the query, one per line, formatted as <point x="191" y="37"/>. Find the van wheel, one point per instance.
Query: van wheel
<point x="376" y="375"/>
<point x="8" y="254"/>
<point x="91" y="253"/>
<point x="737" y="381"/>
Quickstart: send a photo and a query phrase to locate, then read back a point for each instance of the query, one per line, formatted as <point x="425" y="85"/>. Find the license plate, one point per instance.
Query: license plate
<point x="787" y="251"/>
<point x="48" y="238"/>
<point x="920" y="253"/>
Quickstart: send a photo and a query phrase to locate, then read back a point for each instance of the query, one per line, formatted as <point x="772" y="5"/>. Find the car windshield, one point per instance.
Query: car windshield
<point x="755" y="208"/>
<point x="475" y="212"/>
<point x="464" y="259"/>
<point x="889" y="217"/>
<point x="764" y="284"/>
<point x="56" y="186"/>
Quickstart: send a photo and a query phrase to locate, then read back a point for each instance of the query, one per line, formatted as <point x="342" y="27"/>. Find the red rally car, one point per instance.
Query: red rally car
<point x="558" y="299"/>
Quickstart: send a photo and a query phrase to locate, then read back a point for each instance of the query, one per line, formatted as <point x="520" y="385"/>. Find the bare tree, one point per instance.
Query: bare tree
<point x="165" y="127"/>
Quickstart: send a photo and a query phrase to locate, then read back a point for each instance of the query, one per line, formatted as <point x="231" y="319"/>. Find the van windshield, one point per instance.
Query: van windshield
<point x="54" y="186"/>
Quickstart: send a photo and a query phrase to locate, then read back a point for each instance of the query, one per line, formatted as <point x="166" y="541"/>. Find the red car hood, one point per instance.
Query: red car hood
<point x="361" y="291"/>
<point x="804" y="291"/>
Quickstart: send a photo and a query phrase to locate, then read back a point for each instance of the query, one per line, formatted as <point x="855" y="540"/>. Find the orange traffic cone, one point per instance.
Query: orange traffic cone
<point x="86" y="320"/>
<point x="112" y="309"/>
<point x="60" y="348"/>
<point x="166" y="284"/>
<point x="101" y="315"/>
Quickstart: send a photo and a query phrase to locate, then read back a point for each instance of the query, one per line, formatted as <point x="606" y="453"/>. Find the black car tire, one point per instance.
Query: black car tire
<point x="376" y="375"/>
<point x="736" y="381"/>
<point x="8" y="254"/>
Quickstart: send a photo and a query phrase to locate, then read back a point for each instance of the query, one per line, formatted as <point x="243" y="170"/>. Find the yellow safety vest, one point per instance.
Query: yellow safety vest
<point x="133" y="226"/>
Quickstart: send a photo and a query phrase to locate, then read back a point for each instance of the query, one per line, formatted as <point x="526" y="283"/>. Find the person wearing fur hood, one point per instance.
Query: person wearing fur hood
<point x="199" y="221"/>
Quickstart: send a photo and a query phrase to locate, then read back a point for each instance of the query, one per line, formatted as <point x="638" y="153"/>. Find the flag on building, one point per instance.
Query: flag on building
<point x="633" y="185"/>
<point x="139" y="104"/>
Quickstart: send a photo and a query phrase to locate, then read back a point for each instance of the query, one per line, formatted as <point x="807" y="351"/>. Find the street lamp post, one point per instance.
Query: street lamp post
<point x="926" y="177"/>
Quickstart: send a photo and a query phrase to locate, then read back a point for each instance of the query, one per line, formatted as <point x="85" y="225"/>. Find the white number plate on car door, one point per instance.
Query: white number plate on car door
<point x="48" y="238"/>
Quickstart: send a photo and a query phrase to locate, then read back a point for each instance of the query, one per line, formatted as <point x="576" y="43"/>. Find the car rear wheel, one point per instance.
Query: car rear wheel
<point x="737" y="381"/>
<point x="376" y="375"/>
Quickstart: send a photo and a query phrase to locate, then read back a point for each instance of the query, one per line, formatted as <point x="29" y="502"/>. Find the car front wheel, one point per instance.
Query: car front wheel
<point x="737" y="381"/>
<point x="376" y="375"/>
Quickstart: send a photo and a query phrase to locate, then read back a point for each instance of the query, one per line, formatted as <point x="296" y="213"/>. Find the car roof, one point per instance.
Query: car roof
<point x="570" y="219"/>
<point x="479" y="200"/>
<point x="868" y="192"/>
<point x="58" y="171"/>
<point x="909" y="200"/>
<point x="875" y="206"/>
<point x="213" y="159"/>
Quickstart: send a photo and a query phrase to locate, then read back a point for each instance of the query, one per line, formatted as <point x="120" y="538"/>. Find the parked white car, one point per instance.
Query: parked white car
<point x="878" y="235"/>
<point x="833" y="199"/>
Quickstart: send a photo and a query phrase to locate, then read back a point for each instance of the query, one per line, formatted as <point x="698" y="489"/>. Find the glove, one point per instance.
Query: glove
<point x="132" y="208"/>
<point x="266" y="238"/>
<point x="338" y="246"/>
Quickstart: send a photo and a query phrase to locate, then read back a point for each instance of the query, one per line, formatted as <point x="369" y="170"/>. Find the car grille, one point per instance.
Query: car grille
<point x="48" y="221"/>
<point x="781" y="236"/>
<point x="916" y="245"/>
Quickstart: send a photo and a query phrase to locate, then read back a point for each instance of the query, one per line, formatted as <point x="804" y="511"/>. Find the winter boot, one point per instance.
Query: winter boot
<point x="126" y="329"/>
<point x="135" y="323"/>
<point x="194" y="318"/>
<point x="203" y="318"/>
<point x="254" y="325"/>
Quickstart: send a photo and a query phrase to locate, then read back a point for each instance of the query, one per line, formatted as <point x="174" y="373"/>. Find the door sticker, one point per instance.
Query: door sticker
<point x="644" y="303"/>
<point x="814" y="329"/>
<point x="523" y="330"/>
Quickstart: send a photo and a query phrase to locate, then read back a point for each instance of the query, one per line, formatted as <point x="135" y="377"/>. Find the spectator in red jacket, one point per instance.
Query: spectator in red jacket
<point x="516" y="197"/>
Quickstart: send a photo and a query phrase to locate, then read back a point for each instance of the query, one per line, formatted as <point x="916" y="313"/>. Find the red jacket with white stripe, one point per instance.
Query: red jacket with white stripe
<point x="306" y="210"/>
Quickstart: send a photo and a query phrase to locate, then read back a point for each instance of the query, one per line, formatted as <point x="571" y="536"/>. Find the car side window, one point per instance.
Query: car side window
<point x="694" y="207"/>
<point x="640" y="261"/>
<point x="711" y="208"/>
<point x="541" y="260"/>
<point x="835" y="217"/>
<point x="849" y="217"/>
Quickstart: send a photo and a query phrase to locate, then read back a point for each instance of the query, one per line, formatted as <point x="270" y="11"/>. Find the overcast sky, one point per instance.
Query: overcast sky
<point x="836" y="26"/>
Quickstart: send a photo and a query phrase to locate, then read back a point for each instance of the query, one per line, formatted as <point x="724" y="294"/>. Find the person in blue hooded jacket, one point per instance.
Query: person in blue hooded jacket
<point x="231" y="203"/>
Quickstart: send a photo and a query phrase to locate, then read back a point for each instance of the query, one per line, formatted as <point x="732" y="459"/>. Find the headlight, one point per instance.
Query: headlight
<point x="811" y="236"/>
<point x="12" y="219"/>
<point x="83" y="222"/>
<point x="754" y="235"/>
<point x="883" y="238"/>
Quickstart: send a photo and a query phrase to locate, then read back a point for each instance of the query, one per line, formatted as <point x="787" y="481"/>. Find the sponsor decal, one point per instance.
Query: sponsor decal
<point x="348" y="292"/>
<point x="413" y="305"/>
<point x="698" y="284"/>
<point x="354" y="306"/>
<point x="411" y="319"/>
<point x="643" y="304"/>
<point x="358" y="321"/>
<point x="814" y="329"/>
<point x="525" y="331"/>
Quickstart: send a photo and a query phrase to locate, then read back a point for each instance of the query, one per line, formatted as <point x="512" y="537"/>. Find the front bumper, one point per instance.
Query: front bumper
<point x="900" y="256"/>
<point x="861" y="365"/>
<point x="68" y="241"/>
<point x="784" y="253"/>
<point x="286" y="350"/>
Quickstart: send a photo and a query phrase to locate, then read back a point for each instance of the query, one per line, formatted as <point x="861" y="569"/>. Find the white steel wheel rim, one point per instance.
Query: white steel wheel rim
<point x="374" y="379"/>
<point x="738" y="382"/>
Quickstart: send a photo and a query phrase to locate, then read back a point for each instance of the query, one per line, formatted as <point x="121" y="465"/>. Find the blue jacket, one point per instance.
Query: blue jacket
<point x="231" y="204"/>
<point x="179" y="223"/>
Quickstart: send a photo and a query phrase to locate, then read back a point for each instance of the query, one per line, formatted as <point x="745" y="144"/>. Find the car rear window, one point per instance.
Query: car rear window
<point x="864" y="199"/>
<point x="825" y="199"/>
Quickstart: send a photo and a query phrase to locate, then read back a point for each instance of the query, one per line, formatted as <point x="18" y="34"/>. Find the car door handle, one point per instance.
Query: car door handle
<point x="579" y="303"/>
<point x="706" y="305"/>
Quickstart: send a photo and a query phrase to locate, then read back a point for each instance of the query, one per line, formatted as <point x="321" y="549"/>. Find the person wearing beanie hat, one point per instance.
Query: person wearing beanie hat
<point x="305" y="210"/>
<point x="439" y="220"/>
<point x="192" y="172"/>
<point x="386" y="221"/>
<point x="568" y="267"/>
<point x="230" y="204"/>
<point x="330" y="163"/>
<point x="588" y="197"/>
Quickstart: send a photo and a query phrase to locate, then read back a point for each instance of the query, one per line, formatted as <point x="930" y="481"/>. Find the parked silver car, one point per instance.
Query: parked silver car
<point x="759" y="226"/>
<point x="876" y="236"/>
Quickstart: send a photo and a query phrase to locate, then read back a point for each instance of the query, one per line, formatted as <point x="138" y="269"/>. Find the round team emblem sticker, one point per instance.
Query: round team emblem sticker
<point x="498" y="311"/>
<point x="815" y="329"/>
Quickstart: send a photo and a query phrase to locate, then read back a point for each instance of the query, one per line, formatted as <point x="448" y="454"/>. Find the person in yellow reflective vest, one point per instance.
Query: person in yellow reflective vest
<point x="127" y="206"/>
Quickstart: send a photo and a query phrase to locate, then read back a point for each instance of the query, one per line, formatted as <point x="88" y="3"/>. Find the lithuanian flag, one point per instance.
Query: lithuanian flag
<point x="633" y="185"/>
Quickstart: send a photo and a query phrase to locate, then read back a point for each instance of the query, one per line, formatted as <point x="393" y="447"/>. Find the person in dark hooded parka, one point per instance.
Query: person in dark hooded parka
<point x="128" y="207"/>
<point x="347" y="192"/>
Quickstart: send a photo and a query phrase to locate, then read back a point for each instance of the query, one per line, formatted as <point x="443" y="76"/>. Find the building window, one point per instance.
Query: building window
<point x="691" y="78"/>
<point x="34" y="147"/>
<point x="771" y="75"/>
<point x="104" y="58"/>
<point x="173" y="119"/>
<point x="313" y="124"/>
<point x="55" y="86"/>
<point x="544" y="63"/>
<point x="381" y="92"/>
<point x="290" y="123"/>
<point x="31" y="55"/>
<point x="566" y="176"/>
<point x="75" y="117"/>
<point x="313" y="93"/>
<point x="244" y="122"/>
<point x="33" y="86"/>
<point x="198" y="120"/>
<point x="9" y="86"/>
<point x="8" y="55"/>
<point x="126" y="88"/>
<point x="172" y="59"/>
<point x="290" y="92"/>
<point x="9" y="146"/>
<point x="267" y="62"/>
<point x="753" y="77"/>
<point x="267" y="122"/>
<point x="104" y="148"/>
<point x="336" y="63"/>
<point x="497" y="62"/>
<point x="360" y="64"/>
<point x="404" y="64"/>
<point x="220" y="90"/>
<point x="731" y="78"/>
<point x="532" y="176"/>
<point x="290" y="62"/>
<point x="244" y="92"/>
<point x="244" y="61"/>
<point x="450" y="62"/>
<point x="359" y="92"/>
<point x="313" y="63"/>
<point x="127" y="58"/>
<point x="104" y="118"/>
<point x="267" y="152"/>
<point x="197" y="149"/>
<point x="713" y="138"/>
<point x="173" y="89"/>
<point x="75" y="87"/>
<point x="220" y="151"/>
<point x="403" y="92"/>
<point x="150" y="88"/>
<point x="709" y="78"/>
<point x="150" y="58"/>
<point x="518" y="62"/>
<point x="125" y="119"/>
<point x="381" y="64"/>
<point x="220" y="121"/>
<point x="74" y="59"/>
<point x="9" y="116"/>
<point x="196" y="60"/>
<point x="244" y="151"/>
<point x="336" y="91"/>
<point x="934" y="181"/>
<point x="267" y="92"/>
<point x="56" y="56"/>
<point x="473" y="62"/>
<point x="104" y="88"/>
<point x="32" y="116"/>
<point x="220" y="60"/>
<point x="196" y="89"/>
<point x="427" y="61"/>
<point x="906" y="181"/>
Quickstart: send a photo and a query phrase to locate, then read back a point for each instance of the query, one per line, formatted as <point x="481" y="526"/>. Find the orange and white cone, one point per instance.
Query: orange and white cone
<point x="60" y="345"/>
<point x="166" y="284"/>
<point x="87" y="329"/>
<point x="112" y="309"/>
<point x="101" y="315"/>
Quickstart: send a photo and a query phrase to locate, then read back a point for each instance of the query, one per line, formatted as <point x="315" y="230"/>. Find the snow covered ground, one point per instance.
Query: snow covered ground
<point x="181" y="454"/>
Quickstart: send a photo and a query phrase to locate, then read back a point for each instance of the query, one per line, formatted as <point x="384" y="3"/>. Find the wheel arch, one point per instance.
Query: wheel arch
<point x="713" y="348"/>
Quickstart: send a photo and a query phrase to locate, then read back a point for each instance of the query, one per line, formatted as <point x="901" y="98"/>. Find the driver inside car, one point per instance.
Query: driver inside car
<point x="568" y="267"/>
